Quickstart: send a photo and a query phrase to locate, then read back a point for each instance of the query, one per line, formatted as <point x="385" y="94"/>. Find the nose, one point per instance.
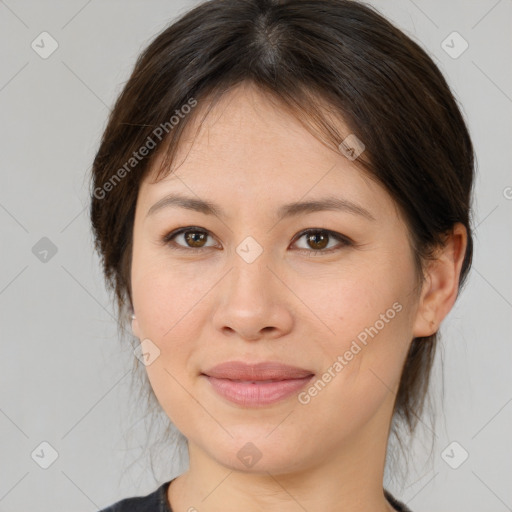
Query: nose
<point x="253" y="302"/>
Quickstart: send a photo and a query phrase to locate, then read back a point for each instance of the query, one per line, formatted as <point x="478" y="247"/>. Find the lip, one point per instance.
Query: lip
<point x="267" y="370"/>
<point x="248" y="384"/>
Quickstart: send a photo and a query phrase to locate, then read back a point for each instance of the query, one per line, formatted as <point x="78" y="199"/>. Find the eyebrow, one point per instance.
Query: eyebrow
<point x="287" y="210"/>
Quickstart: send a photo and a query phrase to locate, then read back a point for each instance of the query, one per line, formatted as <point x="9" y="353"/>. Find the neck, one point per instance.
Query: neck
<point x="350" y="480"/>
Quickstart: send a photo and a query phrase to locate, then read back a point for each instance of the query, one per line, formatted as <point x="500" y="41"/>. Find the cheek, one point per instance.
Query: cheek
<point x="369" y="310"/>
<point x="168" y="311"/>
<point x="365" y="294"/>
<point x="164" y="291"/>
<point x="364" y="358"/>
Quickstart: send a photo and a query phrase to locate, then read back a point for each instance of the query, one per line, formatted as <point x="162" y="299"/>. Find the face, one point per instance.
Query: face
<point x="329" y="290"/>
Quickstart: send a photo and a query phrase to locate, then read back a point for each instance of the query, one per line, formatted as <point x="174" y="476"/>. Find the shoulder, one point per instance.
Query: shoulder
<point x="155" y="501"/>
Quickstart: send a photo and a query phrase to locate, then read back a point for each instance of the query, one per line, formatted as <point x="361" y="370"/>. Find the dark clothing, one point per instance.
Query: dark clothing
<point x="153" y="502"/>
<point x="398" y="505"/>
<point x="157" y="502"/>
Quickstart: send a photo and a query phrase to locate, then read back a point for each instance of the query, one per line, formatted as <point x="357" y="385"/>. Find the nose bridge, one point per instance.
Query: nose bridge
<point x="250" y="300"/>
<point x="251" y="275"/>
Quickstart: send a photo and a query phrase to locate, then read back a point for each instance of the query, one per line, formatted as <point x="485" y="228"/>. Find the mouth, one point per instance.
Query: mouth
<point x="256" y="385"/>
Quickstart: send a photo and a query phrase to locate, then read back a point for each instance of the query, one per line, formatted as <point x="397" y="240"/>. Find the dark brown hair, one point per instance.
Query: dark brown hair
<point x="325" y="60"/>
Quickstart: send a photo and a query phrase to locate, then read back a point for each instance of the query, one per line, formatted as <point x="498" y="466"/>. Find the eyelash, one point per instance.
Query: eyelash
<point x="344" y="240"/>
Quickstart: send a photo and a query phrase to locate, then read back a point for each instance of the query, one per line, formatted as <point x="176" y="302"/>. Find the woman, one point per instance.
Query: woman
<point x="281" y="203"/>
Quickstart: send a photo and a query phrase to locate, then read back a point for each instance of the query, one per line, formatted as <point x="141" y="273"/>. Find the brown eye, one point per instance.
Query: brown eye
<point x="319" y="241"/>
<point x="195" y="238"/>
<point x="188" y="238"/>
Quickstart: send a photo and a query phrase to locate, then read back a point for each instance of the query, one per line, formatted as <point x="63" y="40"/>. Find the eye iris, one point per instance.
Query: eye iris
<point x="319" y="240"/>
<point x="196" y="238"/>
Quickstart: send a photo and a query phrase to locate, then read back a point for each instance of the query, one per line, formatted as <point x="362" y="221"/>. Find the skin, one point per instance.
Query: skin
<point x="293" y="304"/>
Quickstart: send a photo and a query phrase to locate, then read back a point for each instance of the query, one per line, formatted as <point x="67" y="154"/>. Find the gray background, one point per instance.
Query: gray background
<point x="64" y="374"/>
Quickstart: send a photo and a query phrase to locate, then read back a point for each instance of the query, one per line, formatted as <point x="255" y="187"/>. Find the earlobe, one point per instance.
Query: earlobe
<point x="441" y="285"/>
<point x="135" y="326"/>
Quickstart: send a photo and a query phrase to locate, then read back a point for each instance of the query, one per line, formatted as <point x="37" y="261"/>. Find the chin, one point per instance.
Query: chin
<point x="250" y="453"/>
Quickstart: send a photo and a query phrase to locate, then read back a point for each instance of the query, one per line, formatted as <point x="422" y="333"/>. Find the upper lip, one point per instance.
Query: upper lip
<point x="267" y="370"/>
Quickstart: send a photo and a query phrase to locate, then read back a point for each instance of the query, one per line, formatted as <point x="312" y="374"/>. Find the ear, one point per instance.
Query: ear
<point x="441" y="284"/>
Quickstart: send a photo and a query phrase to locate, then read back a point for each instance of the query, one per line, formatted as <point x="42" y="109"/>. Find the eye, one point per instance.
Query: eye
<point x="193" y="238"/>
<point x="318" y="240"/>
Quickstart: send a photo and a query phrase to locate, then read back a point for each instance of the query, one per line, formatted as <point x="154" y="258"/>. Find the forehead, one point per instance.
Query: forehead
<point x="248" y="143"/>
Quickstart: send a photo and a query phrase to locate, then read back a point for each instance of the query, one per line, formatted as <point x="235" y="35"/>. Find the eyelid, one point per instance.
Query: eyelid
<point x="344" y="240"/>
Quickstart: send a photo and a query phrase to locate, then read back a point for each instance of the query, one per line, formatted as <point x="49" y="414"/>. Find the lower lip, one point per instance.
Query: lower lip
<point x="253" y="394"/>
